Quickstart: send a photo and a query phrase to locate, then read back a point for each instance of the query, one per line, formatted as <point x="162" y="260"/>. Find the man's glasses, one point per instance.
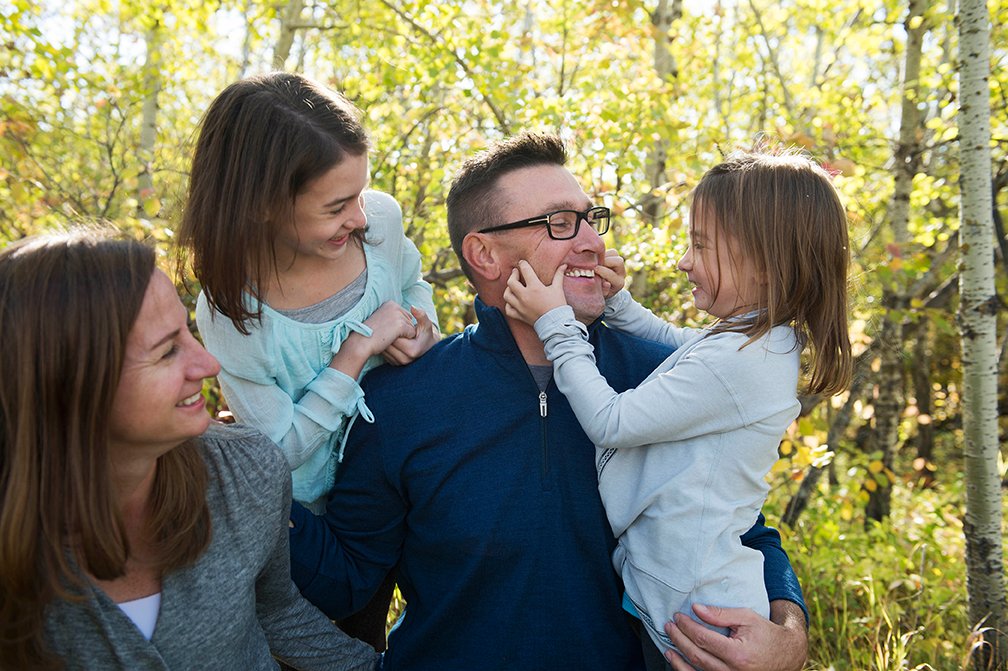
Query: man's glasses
<point x="562" y="224"/>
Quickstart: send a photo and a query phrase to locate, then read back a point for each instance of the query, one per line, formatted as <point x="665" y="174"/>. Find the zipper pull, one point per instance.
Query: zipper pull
<point x="542" y="404"/>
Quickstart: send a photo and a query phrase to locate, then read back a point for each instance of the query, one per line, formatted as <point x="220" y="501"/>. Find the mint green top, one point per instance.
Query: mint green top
<point x="278" y="379"/>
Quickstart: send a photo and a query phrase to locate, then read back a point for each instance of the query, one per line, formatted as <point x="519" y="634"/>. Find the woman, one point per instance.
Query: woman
<point x="132" y="533"/>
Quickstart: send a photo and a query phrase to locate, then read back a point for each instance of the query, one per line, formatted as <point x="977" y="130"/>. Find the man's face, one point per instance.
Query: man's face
<point x="530" y="192"/>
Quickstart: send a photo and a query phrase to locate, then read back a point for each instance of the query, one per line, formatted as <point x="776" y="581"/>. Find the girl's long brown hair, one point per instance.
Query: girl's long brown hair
<point x="781" y="210"/>
<point x="261" y="142"/>
<point x="67" y="304"/>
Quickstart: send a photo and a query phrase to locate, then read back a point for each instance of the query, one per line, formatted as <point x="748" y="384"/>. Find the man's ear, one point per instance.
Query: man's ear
<point x="482" y="256"/>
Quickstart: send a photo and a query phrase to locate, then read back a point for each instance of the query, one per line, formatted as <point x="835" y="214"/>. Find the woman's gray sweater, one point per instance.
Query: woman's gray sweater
<point x="236" y="604"/>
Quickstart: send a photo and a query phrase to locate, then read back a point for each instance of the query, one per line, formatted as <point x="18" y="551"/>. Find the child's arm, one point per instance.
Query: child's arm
<point x="687" y="400"/>
<point x="625" y="314"/>
<point x="417" y="294"/>
<point x="389" y="324"/>
<point x="249" y="369"/>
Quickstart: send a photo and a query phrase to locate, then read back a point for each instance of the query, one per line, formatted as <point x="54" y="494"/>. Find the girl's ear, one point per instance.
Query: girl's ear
<point x="482" y="256"/>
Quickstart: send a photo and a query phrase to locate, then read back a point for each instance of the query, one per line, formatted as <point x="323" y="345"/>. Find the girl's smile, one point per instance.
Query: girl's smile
<point x="326" y="214"/>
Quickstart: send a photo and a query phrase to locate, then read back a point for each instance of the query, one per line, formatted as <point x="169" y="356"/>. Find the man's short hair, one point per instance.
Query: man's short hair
<point x="472" y="200"/>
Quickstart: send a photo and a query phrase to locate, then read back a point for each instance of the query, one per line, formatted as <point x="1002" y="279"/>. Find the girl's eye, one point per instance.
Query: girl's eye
<point x="337" y="210"/>
<point x="172" y="351"/>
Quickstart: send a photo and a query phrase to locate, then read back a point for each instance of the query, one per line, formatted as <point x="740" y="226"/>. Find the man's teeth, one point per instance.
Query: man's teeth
<point x="580" y="272"/>
<point x="192" y="400"/>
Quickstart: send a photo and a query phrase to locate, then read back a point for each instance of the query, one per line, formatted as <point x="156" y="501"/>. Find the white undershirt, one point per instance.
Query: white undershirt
<point x="143" y="612"/>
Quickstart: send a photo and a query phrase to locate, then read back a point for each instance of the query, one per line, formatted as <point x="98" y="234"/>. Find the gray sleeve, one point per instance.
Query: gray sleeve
<point x="625" y="314"/>
<point x="297" y="632"/>
<point x="687" y="400"/>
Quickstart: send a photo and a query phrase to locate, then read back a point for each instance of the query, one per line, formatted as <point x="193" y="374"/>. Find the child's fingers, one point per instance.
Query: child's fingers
<point x="421" y="318"/>
<point x="607" y="274"/>
<point x="529" y="275"/>
<point x="514" y="279"/>
<point x="613" y="260"/>
<point x="395" y="356"/>
<point x="559" y="274"/>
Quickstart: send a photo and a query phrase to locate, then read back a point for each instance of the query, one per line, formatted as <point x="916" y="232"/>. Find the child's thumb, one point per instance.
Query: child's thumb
<point x="559" y="274"/>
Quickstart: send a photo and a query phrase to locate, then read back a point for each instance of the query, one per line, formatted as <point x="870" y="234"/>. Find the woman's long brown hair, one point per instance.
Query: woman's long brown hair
<point x="67" y="304"/>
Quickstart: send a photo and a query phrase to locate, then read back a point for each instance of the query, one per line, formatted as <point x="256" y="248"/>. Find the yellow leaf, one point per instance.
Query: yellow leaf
<point x="876" y="467"/>
<point x="152" y="206"/>
<point x="802" y="457"/>
<point x="780" y="466"/>
<point x="870" y="485"/>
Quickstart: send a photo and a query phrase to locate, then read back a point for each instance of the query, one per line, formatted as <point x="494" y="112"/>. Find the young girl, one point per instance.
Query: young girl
<point x="296" y="302"/>
<point x="768" y="258"/>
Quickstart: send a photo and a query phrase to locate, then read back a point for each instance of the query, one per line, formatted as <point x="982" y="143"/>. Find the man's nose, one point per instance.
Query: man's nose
<point x="588" y="239"/>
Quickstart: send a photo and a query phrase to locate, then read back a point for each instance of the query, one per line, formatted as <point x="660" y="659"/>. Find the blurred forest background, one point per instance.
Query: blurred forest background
<point x="99" y="100"/>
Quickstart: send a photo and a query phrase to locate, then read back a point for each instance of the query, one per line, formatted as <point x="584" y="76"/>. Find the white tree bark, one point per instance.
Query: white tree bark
<point x="291" y="14"/>
<point x="664" y="14"/>
<point x="148" y="123"/>
<point x="977" y="318"/>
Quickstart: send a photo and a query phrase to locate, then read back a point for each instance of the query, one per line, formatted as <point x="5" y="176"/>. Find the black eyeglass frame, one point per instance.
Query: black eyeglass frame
<point x="545" y="219"/>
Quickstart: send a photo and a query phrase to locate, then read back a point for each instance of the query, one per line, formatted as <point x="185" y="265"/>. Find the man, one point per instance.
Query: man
<point x="477" y="481"/>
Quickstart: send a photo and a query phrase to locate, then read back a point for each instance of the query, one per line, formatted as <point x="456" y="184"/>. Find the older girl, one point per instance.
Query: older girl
<point x="297" y="303"/>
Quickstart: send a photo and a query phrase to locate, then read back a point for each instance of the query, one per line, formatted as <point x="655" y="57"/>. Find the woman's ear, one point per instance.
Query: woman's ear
<point x="482" y="256"/>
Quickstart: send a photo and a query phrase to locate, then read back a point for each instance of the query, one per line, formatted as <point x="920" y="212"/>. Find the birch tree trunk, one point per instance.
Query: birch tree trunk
<point x="148" y="124"/>
<point x="288" y="28"/>
<point x="889" y="402"/>
<point x="977" y="315"/>
<point x="921" y="375"/>
<point x="665" y="66"/>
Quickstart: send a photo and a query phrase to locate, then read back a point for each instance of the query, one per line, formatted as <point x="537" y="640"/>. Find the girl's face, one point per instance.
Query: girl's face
<point x="326" y="212"/>
<point x="159" y="403"/>
<point x="724" y="283"/>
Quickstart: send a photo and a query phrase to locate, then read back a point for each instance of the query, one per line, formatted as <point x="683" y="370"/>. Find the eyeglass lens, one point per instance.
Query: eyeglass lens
<point x="564" y="224"/>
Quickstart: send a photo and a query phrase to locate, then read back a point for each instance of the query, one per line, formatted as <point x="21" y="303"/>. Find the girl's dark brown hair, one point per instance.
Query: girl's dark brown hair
<point x="781" y="210"/>
<point x="262" y="140"/>
<point x="67" y="304"/>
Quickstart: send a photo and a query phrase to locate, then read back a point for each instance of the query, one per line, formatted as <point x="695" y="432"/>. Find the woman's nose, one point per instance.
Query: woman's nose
<point x="204" y="363"/>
